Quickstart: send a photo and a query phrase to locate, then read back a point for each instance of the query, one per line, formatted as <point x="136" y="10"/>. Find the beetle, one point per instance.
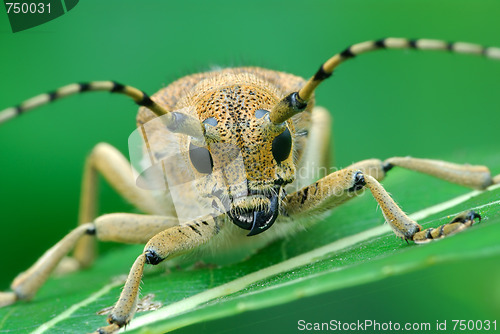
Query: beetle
<point x="218" y="168"/>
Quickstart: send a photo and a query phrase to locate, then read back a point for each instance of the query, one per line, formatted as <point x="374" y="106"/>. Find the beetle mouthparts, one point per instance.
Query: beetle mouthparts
<point x="257" y="221"/>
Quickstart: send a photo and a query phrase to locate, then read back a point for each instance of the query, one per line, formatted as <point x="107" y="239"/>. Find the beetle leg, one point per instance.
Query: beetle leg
<point x="164" y="245"/>
<point x="342" y="185"/>
<point x="478" y="177"/>
<point x="458" y="224"/>
<point x="112" y="165"/>
<point x="325" y="194"/>
<point x="316" y="142"/>
<point x="406" y="228"/>
<point x="120" y="227"/>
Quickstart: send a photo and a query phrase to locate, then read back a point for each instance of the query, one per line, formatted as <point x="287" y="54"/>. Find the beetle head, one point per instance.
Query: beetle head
<point x="247" y="159"/>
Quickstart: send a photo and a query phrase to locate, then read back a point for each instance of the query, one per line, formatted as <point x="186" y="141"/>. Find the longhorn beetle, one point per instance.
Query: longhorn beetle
<point x="219" y="167"/>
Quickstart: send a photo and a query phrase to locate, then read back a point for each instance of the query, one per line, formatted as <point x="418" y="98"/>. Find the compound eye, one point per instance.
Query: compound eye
<point x="282" y="145"/>
<point x="201" y="159"/>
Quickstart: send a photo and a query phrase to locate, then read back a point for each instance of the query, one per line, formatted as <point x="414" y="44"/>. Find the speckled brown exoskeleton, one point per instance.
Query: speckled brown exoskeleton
<point x="241" y="136"/>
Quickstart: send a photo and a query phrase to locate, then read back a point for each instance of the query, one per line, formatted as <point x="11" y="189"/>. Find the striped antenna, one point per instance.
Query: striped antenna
<point x="175" y="121"/>
<point x="297" y="101"/>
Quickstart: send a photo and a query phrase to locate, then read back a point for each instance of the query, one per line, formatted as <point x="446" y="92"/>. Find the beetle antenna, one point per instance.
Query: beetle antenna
<point x="297" y="101"/>
<point x="175" y="121"/>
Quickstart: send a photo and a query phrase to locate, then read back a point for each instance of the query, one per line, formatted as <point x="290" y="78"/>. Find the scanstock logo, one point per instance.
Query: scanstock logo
<point x="28" y="14"/>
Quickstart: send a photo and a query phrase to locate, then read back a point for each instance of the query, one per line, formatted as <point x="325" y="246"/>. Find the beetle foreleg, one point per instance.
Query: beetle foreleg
<point x="164" y="245"/>
<point x="120" y="227"/>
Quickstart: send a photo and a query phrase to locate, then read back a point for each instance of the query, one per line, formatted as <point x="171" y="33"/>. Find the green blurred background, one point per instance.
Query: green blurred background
<point x="388" y="103"/>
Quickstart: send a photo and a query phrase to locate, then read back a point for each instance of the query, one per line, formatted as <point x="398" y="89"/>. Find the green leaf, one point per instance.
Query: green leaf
<point x="351" y="248"/>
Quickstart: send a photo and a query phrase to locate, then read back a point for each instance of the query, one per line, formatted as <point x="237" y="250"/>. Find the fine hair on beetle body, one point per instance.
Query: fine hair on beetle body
<point x="230" y="158"/>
